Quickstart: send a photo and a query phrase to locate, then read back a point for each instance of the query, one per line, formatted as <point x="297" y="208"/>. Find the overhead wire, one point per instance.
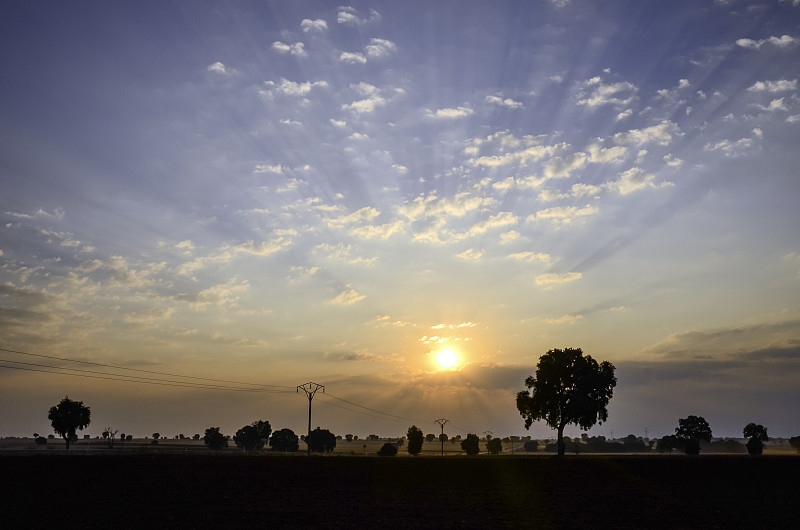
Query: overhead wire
<point x="203" y="383"/>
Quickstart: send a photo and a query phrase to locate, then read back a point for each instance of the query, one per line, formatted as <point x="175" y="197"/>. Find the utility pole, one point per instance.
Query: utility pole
<point x="310" y="389"/>
<point x="442" y="422"/>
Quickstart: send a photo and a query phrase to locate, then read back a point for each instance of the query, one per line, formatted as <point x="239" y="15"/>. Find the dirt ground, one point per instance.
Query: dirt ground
<point x="178" y="490"/>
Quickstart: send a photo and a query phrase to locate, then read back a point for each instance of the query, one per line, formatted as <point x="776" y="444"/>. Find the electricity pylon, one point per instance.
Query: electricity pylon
<point x="442" y="422"/>
<point x="310" y="389"/>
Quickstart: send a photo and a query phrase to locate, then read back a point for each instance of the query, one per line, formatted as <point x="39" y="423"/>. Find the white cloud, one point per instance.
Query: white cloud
<point x="290" y="88"/>
<point x="352" y="58"/>
<point x="793" y="119"/>
<point x="348" y="16"/>
<point x="671" y="161"/>
<point x="780" y="85"/>
<point x="627" y="113"/>
<point x="593" y="93"/>
<point x="268" y="168"/>
<point x="565" y="319"/>
<point x="450" y="113"/>
<point x="551" y="279"/>
<point x="504" y="102"/>
<point x="775" y="104"/>
<point x="660" y="134"/>
<point x="731" y="148"/>
<point x="784" y="41"/>
<point x="348" y="296"/>
<point x="298" y="48"/>
<point x="600" y="155"/>
<point x="384" y="231"/>
<point x="558" y="168"/>
<point x="379" y="48"/>
<point x="563" y="214"/>
<point x="508" y="237"/>
<point x="219" y="68"/>
<point x="400" y="168"/>
<point x="366" y="214"/>
<point x="372" y="100"/>
<point x="309" y="25"/>
<point x="530" y="256"/>
<point x="500" y="220"/>
<point x="264" y="248"/>
<point x="340" y="124"/>
<point x="635" y="179"/>
<point x="471" y="254"/>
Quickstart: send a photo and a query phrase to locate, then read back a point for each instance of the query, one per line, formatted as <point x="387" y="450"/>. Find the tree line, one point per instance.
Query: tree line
<point x="567" y="388"/>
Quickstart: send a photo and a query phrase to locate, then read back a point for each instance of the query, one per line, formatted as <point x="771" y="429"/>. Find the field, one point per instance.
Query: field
<point x="180" y="489"/>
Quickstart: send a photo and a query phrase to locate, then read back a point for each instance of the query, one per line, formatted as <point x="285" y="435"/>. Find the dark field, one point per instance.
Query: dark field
<point x="232" y="490"/>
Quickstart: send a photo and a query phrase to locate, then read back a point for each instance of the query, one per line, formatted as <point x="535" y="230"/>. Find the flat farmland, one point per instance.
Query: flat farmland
<point x="229" y="489"/>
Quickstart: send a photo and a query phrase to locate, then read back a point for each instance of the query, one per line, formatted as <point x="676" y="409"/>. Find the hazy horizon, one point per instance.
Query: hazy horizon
<point x="282" y="192"/>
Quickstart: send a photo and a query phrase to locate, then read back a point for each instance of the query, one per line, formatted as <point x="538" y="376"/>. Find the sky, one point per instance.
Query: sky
<point x="207" y="204"/>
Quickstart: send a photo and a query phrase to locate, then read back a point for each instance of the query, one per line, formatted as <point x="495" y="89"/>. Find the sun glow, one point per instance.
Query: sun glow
<point x="447" y="359"/>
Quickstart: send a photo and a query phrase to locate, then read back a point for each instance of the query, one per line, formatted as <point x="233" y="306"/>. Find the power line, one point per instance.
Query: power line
<point x="141" y="370"/>
<point x="91" y="374"/>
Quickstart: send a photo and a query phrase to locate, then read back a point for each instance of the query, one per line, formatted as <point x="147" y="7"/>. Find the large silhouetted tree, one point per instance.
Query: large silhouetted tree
<point x="757" y="435"/>
<point x="69" y="416"/>
<point x="415" y="439"/>
<point x="214" y="439"/>
<point x="284" y="440"/>
<point x="471" y="444"/>
<point x="253" y="437"/>
<point x="494" y="445"/>
<point x="690" y="431"/>
<point x="321" y="441"/>
<point x="567" y="388"/>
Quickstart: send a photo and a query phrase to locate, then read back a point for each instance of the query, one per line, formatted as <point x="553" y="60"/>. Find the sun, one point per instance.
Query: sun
<point x="447" y="359"/>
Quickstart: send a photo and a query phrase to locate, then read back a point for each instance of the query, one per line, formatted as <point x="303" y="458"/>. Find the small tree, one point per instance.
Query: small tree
<point x="430" y="437"/>
<point x="67" y="417"/>
<point x="494" y="445"/>
<point x="667" y="443"/>
<point x="284" y="440"/>
<point x="388" y="449"/>
<point x="442" y="437"/>
<point x="214" y="439"/>
<point x="122" y="439"/>
<point x="348" y="437"/>
<point x="415" y="438"/>
<point x="253" y="437"/>
<point x="567" y="388"/>
<point x="690" y="431"/>
<point x="321" y="441"/>
<point x="757" y="435"/>
<point x="471" y="444"/>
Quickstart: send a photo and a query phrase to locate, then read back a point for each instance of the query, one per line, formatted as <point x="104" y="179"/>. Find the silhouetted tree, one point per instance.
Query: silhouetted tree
<point x="252" y="437"/>
<point x="40" y="440"/>
<point x="214" y="439"/>
<point x="348" y="437"/>
<point x="531" y="446"/>
<point x="388" y="449"/>
<point x="794" y="441"/>
<point x="471" y="444"/>
<point x="373" y="437"/>
<point x="284" y="440"/>
<point x="321" y="441"/>
<point x="196" y="437"/>
<point x="67" y="417"/>
<point x="757" y="435"/>
<point x="415" y="438"/>
<point x="666" y="444"/>
<point x="690" y="431"/>
<point x="122" y="439"/>
<point x="442" y="437"/>
<point x="494" y="445"/>
<point x="430" y="437"/>
<point x="567" y="388"/>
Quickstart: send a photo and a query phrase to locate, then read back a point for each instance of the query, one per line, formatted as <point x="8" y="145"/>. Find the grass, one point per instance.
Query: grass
<point x="215" y="490"/>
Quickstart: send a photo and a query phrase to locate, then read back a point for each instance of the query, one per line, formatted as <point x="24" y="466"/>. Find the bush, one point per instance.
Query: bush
<point x="388" y="449"/>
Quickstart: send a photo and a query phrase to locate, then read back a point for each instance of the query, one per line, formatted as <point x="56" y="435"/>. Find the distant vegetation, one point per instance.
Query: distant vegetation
<point x="566" y="388"/>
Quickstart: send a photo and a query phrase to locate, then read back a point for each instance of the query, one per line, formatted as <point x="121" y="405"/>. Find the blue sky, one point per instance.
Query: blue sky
<point x="278" y="192"/>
